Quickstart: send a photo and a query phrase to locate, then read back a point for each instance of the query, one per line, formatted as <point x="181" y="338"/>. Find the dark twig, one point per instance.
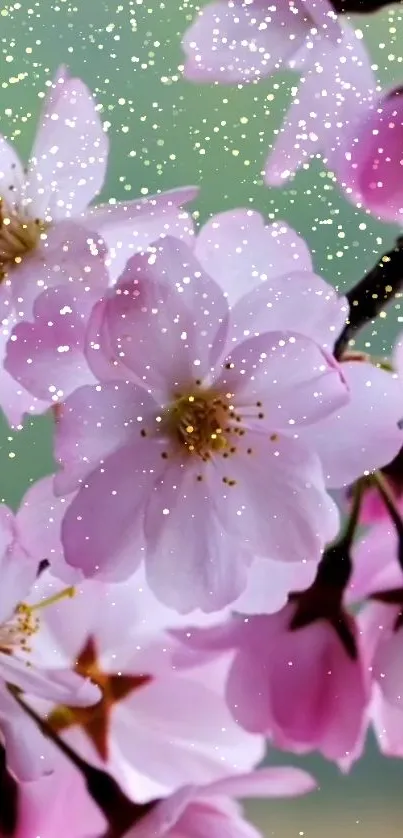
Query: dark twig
<point x="355" y="6"/>
<point x="8" y="799"/>
<point x="372" y="293"/>
<point x="120" y="812"/>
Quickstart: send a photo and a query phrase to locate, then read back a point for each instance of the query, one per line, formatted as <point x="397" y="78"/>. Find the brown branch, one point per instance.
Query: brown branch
<point x="372" y="293"/>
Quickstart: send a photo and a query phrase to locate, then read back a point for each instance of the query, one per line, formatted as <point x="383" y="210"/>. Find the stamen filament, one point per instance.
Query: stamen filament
<point x="51" y="600"/>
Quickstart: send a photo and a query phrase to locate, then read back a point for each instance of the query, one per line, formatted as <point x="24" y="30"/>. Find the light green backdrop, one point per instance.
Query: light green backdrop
<point x="166" y="132"/>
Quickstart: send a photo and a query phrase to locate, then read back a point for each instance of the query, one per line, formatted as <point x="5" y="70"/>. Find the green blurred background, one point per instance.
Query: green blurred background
<point x="166" y="132"/>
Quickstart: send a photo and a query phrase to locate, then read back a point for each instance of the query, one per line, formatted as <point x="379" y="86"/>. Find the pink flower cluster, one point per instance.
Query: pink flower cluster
<point x="182" y="591"/>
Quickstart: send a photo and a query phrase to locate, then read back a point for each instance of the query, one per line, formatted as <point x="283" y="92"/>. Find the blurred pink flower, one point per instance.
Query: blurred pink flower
<point x="234" y="41"/>
<point x="191" y="443"/>
<point x="27" y="751"/>
<point x="341" y="112"/>
<point x="211" y="810"/>
<point x="163" y="719"/>
<point x="300" y="682"/>
<point x="208" y="809"/>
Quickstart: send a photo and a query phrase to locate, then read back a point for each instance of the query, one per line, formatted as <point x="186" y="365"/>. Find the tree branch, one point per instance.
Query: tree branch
<point x="372" y="293"/>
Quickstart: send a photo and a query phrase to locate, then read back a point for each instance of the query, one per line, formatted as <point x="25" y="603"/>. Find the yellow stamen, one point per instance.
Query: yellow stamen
<point x="51" y="600"/>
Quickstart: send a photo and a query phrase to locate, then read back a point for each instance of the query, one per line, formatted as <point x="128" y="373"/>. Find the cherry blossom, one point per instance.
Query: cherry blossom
<point x="20" y="618"/>
<point x="341" y="112"/>
<point x="243" y="40"/>
<point x="162" y="720"/>
<point x="310" y="649"/>
<point x="151" y="438"/>
<point x="211" y="810"/>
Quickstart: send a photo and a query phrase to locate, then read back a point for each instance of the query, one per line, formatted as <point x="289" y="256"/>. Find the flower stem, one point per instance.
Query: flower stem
<point x="394" y="514"/>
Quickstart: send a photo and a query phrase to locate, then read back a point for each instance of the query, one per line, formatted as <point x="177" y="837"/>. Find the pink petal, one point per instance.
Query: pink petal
<point x="298" y="302"/>
<point x="333" y="695"/>
<point x="248" y="687"/>
<point x="365" y="434"/>
<point x="69" y="255"/>
<point x="94" y="422"/>
<point x="221" y="820"/>
<point x="162" y="817"/>
<point x="336" y="87"/>
<point x="387" y="667"/>
<point x="378" y="156"/>
<point x="376" y="622"/>
<point x="276" y="664"/>
<point x="60" y="686"/>
<point x="375" y="565"/>
<point x="270" y="583"/>
<point x="39" y="520"/>
<point x="69" y="156"/>
<point x="289" y="377"/>
<point x="387" y="720"/>
<point x="231" y="42"/>
<point x="29" y="755"/>
<point x="47" y="356"/>
<point x="266" y="783"/>
<point x="129" y="228"/>
<point x="17" y="568"/>
<point x="102" y="531"/>
<point x="167" y="311"/>
<point x="203" y="566"/>
<point x="178" y="730"/>
<point x="45" y="810"/>
<point x="239" y="249"/>
<point x="278" y="506"/>
<point x="15" y="401"/>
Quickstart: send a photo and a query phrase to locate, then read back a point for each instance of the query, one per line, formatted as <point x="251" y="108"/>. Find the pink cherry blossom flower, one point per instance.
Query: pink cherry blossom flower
<point x="265" y="271"/>
<point x="276" y="664"/>
<point x="163" y="718"/>
<point x="47" y="223"/>
<point x="190" y="444"/>
<point x="234" y="41"/>
<point x="298" y="676"/>
<point x="211" y="810"/>
<point x="341" y="112"/>
<point x="27" y="752"/>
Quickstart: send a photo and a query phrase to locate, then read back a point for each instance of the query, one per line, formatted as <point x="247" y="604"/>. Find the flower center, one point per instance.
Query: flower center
<point x="199" y="422"/>
<point x="19" y="235"/>
<point x="15" y="633"/>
